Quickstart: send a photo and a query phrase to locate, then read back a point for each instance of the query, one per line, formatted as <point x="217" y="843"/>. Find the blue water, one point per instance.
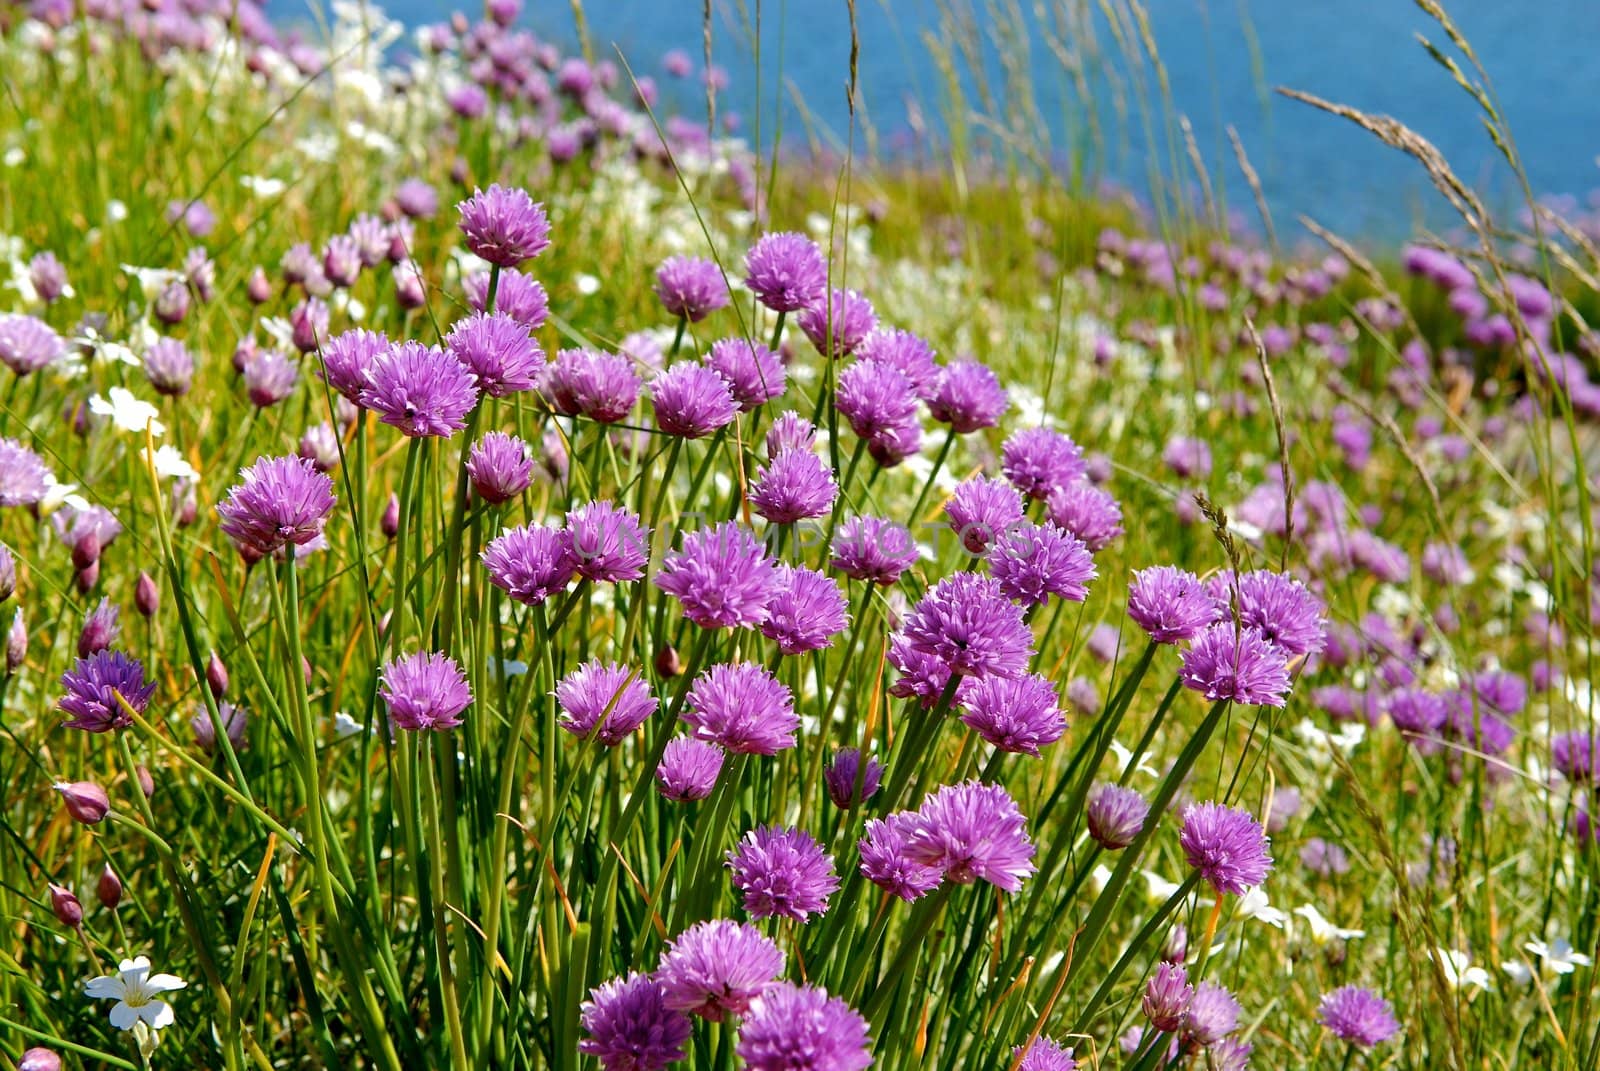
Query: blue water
<point x="1222" y="58"/>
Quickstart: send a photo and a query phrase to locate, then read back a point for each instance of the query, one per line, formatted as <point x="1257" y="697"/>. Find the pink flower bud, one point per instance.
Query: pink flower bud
<point x="390" y="522"/>
<point x="86" y="551"/>
<point x="86" y="801"/>
<point x="108" y="890"/>
<point x="259" y="287"/>
<point x="146" y="596"/>
<point x="217" y="676"/>
<point x="88" y="578"/>
<point x="66" y="906"/>
<point x="37" y="1059"/>
<point x="147" y="784"/>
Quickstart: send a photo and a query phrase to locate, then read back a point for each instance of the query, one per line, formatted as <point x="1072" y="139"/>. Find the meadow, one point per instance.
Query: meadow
<point x="498" y="571"/>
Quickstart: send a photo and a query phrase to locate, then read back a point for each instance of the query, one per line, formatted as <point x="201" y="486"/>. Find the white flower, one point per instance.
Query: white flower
<point x="588" y="284"/>
<point x="1323" y="931"/>
<point x="1099" y="878"/>
<point x="1160" y="888"/>
<point x="1458" y="970"/>
<point x="1125" y="755"/>
<point x="57" y="494"/>
<point x="1254" y="905"/>
<point x="1518" y="971"/>
<point x="127" y="411"/>
<point x="153" y="280"/>
<point x="263" y="187"/>
<point x="1559" y="955"/>
<point x="344" y="726"/>
<point x="135" y="990"/>
<point x="116" y="211"/>
<point x="170" y="463"/>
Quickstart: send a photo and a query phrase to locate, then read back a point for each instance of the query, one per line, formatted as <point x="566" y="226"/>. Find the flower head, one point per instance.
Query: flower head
<point x="137" y="993"/>
<point x="805" y="612"/>
<point x="786" y="271"/>
<point x="500" y="467"/>
<point x="1170" y="604"/>
<point x="876" y="399"/>
<point x="1236" y="664"/>
<point x="692" y="400"/>
<point x="1227" y="846"/>
<point x="531" y="563"/>
<point x="968" y="397"/>
<point x="604" y="700"/>
<point x="1187" y="458"/>
<point x="1167" y="996"/>
<point x="629" y="1026"/>
<point x="754" y="373"/>
<point x="421" y="390"/>
<point x="426" y="690"/>
<point x="850" y="782"/>
<point x="516" y="295"/>
<point x="1018" y="715"/>
<point x="1115" y="815"/>
<point x="691" y="287"/>
<point x="718" y="968"/>
<point x="504" y="225"/>
<point x="497" y="349"/>
<point x="100" y="629"/>
<point x="796" y="485"/>
<point x="1212" y="1015"/>
<point x="902" y="350"/>
<point x="24" y="478"/>
<point x="608" y="542"/>
<point x="1043" y="1054"/>
<point x="279" y="501"/>
<point x="886" y="863"/>
<point x="1087" y="512"/>
<point x="1358" y="1016"/>
<point x="968" y="624"/>
<point x="169" y="366"/>
<point x="742" y="708"/>
<point x="837" y="322"/>
<point x="688" y="769"/>
<point x="1282" y="610"/>
<point x="347" y="360"/>
<point x="971" y="831"/>
<point x="981" y="510"/>
<point x="1035" y="561"/>
<point x="790" y="431"/>
<point x="721" y="575"/>
<point x="794" y="1028"/>
<point x="873" y="548"/>
<point x="1040" y="460"/>
<point x="269" y="377"/>
<point x="600" y="386"/>
<point x="28" y="344"/>
<point x="93" y="685"/>
<point x="782" y="872"/>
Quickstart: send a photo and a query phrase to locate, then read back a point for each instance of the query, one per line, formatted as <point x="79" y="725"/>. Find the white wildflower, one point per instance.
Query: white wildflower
<point x="137" y="994"/>
<point x="127" y="411"/>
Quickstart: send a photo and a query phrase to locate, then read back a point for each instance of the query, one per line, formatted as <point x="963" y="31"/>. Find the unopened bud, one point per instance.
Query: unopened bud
<point x="86" y="801"/>
<point x="1176" y="947"/>
<point x="88" y="578"/>
<point x="147" y="784"/>
<point x="108" y="890"/>
<point x="16" y="643"/>
<point x="8" y="573"/>
<point x="146" y="596"/>
<point x="217" y="676"/>
<point x="66" y="906"/>
<point x="259" y="287"/>
<point x="668" y="664"/>
<point x="37" y="1059"/>
<point x="86" y="551"/>
<point x="390" y="522"/>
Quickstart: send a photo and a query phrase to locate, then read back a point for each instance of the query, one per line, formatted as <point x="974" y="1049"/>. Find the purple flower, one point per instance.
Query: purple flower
<point x="416" y="198"/>
<point x="1038" y="461"/>
<point x="1226" y="662"/>
<point x="500" y="467"/>
<point x="1035" y="561"/>
<point x="100" y="629"/>
<point x="1212" y="1015"/>
<point x="1187" y="458"/>
<point x="1043" y="1054"/>
<point x="837" y="322"/>
<point x="629" y="1026"/>
<point x="785" y="271"/>
<point x="796" y="485"/>
<point x="903" y="351"/>
<point x="504" y="226"/>
<point x="598" y="692"/>
<point x="496" y="348"/>
<point x="308" y="324"/>
<point x="92" y="686"/>
<point x="516" y="295"/>
<point x="922" y="676"/>
<point x="980" y="510"/>
<point x="782" y="872"/>
<point x="1087" y="512"/>
<point x="23" y="476"/>
<point x="169" y="367"/>
<point x="341" y="260"/>
<point x="876" y="399"/>
<point x="425" y="690"/>
<point x="1227" y="846"/>
<point x="1323" y="858"/>
<point x="754" y="373"/>
<point x="421" y="390"/>
<point x="1358" y="1016"/>
<point x="279" y="501"/>
<point x="269" y="378"/>
<point x="1018" y="715"/>
<point x="28" y="344"/>
<point x="1116" y="815"/>
<point x="718" y="968"/>
<point x="1573" y="755"/>
<point x="1167" y="996"/>
<point x="968" y="397"/>
<point x="1283" y="611"/>
<point x="692" y="400"/>
<point x="805" y="612"/>
<point x="691" y="287"/>
<point x="608" y="542"/>
<point x="1419" y="714"/>
<point x="968" y="624"/>
<point x="1170" y="604"/>
<point x="847" y="781"/>
<point x="971" y="831"/>
<point x="793" y="1028"/>
<point x="790" y="431"/>
<point x="347" y="360"/>
<point x="688" y="769"/>
<point x="48" y="276"/>
<point x="742" y="708"/>
<point x="872" y="548"/>
<point x="600" y="386"/>
<point x="722" y="577"/>
<point x="531" y="563"/>
<point x="885" y="863"/>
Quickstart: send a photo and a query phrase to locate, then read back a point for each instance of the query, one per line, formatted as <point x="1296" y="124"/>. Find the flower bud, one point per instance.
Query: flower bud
<point x="668" y="664"/>
<point x="66" y="906"/>
<point x="37" y="1059"/>
<point x="234" y="723"/>
<point x="259" y="287"/>
<point x="86" y="551"/>
<point x="172" y="304"/>
<point x="87" y="578"/>
<point x="1176" y="947"/>
<point x="16" y="643"/>
<point x="147" y="784"/>
<point x="185" y="506"/>
<point x="100" y="629"/>
<point x="108" y="890"/>
<point x="217" y="676"/>
<point x="86" y="801"/>
<point x="8" y="573"/>
<point x="146" y="596"/>
<point x="390" y="522"/>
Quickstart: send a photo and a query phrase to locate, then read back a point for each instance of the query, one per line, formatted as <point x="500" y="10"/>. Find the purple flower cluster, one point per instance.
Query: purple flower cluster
<point x="782" y="873"/>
